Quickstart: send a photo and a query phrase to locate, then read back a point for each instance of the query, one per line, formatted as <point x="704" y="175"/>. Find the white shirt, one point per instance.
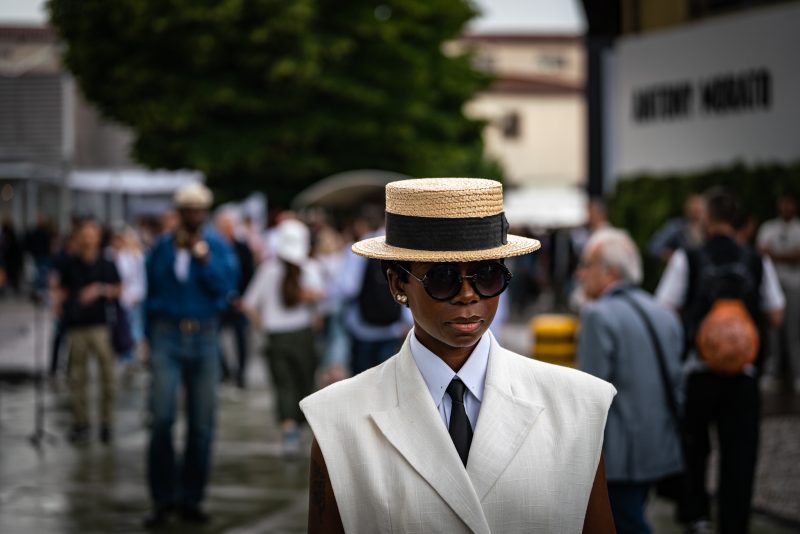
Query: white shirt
<point x="264" y="295"/>
<point x="674" y="284"/>
<point x="182" y="261"/>
<point x="132" y="272"/>
<point x="438" y="375"/>
<point x="782" y="237"/>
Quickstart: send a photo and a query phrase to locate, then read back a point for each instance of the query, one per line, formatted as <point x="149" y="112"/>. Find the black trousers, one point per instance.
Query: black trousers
<point x="732" y="403"/>
<point x="292" y="360"/>
<point x="241" y="326"/>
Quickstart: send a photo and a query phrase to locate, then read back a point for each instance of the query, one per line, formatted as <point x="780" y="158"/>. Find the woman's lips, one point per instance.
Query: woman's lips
<point x="466" y="325"/>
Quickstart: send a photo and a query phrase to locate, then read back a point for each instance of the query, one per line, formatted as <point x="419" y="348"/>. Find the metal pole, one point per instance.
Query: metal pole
<point x="67" y="146"/>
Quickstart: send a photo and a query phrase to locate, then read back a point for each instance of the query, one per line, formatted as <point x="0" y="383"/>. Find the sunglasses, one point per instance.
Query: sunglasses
<point x="443" y="281"/>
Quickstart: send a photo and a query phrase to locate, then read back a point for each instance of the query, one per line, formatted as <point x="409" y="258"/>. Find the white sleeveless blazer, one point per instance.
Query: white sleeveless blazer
<point x="531" y="464"/>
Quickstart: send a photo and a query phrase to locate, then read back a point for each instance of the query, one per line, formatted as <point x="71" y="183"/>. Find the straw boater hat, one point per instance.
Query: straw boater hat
<point x="445" y="219"/>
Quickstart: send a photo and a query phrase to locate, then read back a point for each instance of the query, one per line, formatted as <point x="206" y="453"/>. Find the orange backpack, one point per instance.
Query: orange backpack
<point x="727" y="339"/>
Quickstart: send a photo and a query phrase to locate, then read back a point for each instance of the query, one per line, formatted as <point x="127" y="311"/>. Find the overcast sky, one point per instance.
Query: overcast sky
<point x="498" y="16"/>
<point x="514" y="16"/>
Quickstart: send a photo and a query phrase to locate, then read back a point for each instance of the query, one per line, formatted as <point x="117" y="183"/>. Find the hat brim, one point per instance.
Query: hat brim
<point x="377" y="248"/>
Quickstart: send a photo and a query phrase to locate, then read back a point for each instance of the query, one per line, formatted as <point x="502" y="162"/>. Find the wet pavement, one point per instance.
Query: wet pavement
<point x="58" y="488"/>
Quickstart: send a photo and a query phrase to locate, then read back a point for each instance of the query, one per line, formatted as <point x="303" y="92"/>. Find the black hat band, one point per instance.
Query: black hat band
<point x="444" y="234"/>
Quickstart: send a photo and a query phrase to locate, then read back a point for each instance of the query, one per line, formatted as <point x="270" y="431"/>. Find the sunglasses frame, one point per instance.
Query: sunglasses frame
<point x="507" y="275"/>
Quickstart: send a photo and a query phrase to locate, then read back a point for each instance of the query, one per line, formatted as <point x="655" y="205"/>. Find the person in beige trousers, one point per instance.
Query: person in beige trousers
<point x="87" y="284"/>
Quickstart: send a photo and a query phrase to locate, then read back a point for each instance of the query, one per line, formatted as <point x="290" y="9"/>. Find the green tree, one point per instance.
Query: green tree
<point x="272" y="95"/>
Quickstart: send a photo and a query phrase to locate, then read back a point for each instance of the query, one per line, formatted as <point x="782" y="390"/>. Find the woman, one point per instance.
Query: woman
<point x="282" y="295"/>
<point x="126" y="251"/>
<point x="330" y="253"/>
<point x="395" y="448"/>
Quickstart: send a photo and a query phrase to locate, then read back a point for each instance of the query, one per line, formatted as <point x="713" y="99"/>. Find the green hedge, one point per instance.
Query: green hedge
<point x="641" y="204"/>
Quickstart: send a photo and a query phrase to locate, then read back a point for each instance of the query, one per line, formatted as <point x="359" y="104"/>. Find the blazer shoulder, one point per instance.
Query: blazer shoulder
<point x="358" y="394"/>
<point x="534" y="379"/>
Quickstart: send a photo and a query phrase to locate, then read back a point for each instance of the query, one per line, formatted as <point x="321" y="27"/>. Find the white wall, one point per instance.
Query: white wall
<point x="765" y="41"/>
<point x="551" y="146"/>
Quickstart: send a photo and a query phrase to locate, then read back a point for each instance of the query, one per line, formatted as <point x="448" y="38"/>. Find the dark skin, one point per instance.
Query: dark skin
<point x="189" y="231"/>
<point x="450" y="329"/>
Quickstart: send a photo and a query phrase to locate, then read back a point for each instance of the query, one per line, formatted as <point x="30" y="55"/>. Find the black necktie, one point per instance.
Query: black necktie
<point x="460" y="429"/>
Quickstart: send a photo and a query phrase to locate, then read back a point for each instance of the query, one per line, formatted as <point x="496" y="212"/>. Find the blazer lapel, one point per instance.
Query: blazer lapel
<point x="503" y="425"/>
<point x="415" y="429"/>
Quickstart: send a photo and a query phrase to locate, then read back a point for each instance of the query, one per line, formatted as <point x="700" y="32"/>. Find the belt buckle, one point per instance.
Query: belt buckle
<point x="188" y="326"/>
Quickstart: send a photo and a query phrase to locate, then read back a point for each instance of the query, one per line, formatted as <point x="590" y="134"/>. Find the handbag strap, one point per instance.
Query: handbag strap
<point x="662" y="363"/>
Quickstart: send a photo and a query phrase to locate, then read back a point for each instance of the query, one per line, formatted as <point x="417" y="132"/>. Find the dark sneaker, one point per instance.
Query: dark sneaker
<point x="106" y="434"/>
<point x="195" y="515"/>
<point x="79" y="435"/>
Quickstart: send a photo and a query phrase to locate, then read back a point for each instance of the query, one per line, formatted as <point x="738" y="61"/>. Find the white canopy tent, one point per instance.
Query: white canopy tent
<point x="546" y="207"/>
<point x="119" y="194"/>
<point x="132" y="181"/>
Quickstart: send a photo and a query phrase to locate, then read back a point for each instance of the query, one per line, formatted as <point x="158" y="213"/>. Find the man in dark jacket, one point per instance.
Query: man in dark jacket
<point x="87" y="283"/>
<point x="729" y="401"/>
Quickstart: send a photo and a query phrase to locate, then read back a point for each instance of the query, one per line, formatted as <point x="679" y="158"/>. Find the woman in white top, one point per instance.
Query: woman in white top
<point x="283" y="296"/>
<point x="129" y="259"/>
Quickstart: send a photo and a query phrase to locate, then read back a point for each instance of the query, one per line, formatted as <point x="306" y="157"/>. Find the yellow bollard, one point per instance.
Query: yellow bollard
<point x="554" y="338"/>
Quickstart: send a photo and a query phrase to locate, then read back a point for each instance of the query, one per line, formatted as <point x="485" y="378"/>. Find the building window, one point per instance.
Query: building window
<point x="510" y="126"/>
<point x="483" y="62"/>
<point x="551" y="62"/>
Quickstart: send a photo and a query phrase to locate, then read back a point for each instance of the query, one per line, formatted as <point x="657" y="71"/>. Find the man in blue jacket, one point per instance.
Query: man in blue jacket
<point x="192" y="276"/>
<point x="642" y="440"/>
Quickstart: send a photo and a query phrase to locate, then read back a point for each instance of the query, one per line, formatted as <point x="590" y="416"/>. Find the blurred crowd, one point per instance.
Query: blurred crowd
<point x="160" y="294"/>
<point x="689" y="359"/>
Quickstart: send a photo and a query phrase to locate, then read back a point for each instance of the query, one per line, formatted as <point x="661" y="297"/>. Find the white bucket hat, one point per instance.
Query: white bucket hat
<point x="293" y="242"/>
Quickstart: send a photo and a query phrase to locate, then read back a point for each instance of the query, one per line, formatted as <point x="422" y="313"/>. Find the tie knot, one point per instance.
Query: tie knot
<point x="456" y="390"/>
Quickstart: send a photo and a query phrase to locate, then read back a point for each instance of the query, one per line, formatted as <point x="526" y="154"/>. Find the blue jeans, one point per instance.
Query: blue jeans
<point x="40" y="281"/>
<point x="136" y="320"/>
<point x="368" y="354"/>
<point x="189" y="356"/>
<point x="628" y="501"/>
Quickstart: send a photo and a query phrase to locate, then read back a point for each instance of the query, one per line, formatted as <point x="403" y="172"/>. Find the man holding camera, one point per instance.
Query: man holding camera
<point x="192" y="275"/>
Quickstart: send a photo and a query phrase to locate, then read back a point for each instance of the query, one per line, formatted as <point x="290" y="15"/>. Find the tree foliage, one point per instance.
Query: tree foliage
<point x="273" y="95"/>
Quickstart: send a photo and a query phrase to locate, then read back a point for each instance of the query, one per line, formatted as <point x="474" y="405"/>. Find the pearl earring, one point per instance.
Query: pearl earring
<point x="402" y="299"/>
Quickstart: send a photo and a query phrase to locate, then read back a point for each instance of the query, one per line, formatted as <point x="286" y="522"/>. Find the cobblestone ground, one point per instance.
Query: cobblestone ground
<point x="57" y="488"/>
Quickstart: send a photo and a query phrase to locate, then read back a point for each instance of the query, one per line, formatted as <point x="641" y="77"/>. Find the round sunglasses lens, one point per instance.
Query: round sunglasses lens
<point x="442" y="281"/>
<point x="490" y="279"/>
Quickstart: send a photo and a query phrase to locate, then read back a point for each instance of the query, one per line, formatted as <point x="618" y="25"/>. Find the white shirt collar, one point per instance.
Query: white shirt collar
<point x="438" y="375"/>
